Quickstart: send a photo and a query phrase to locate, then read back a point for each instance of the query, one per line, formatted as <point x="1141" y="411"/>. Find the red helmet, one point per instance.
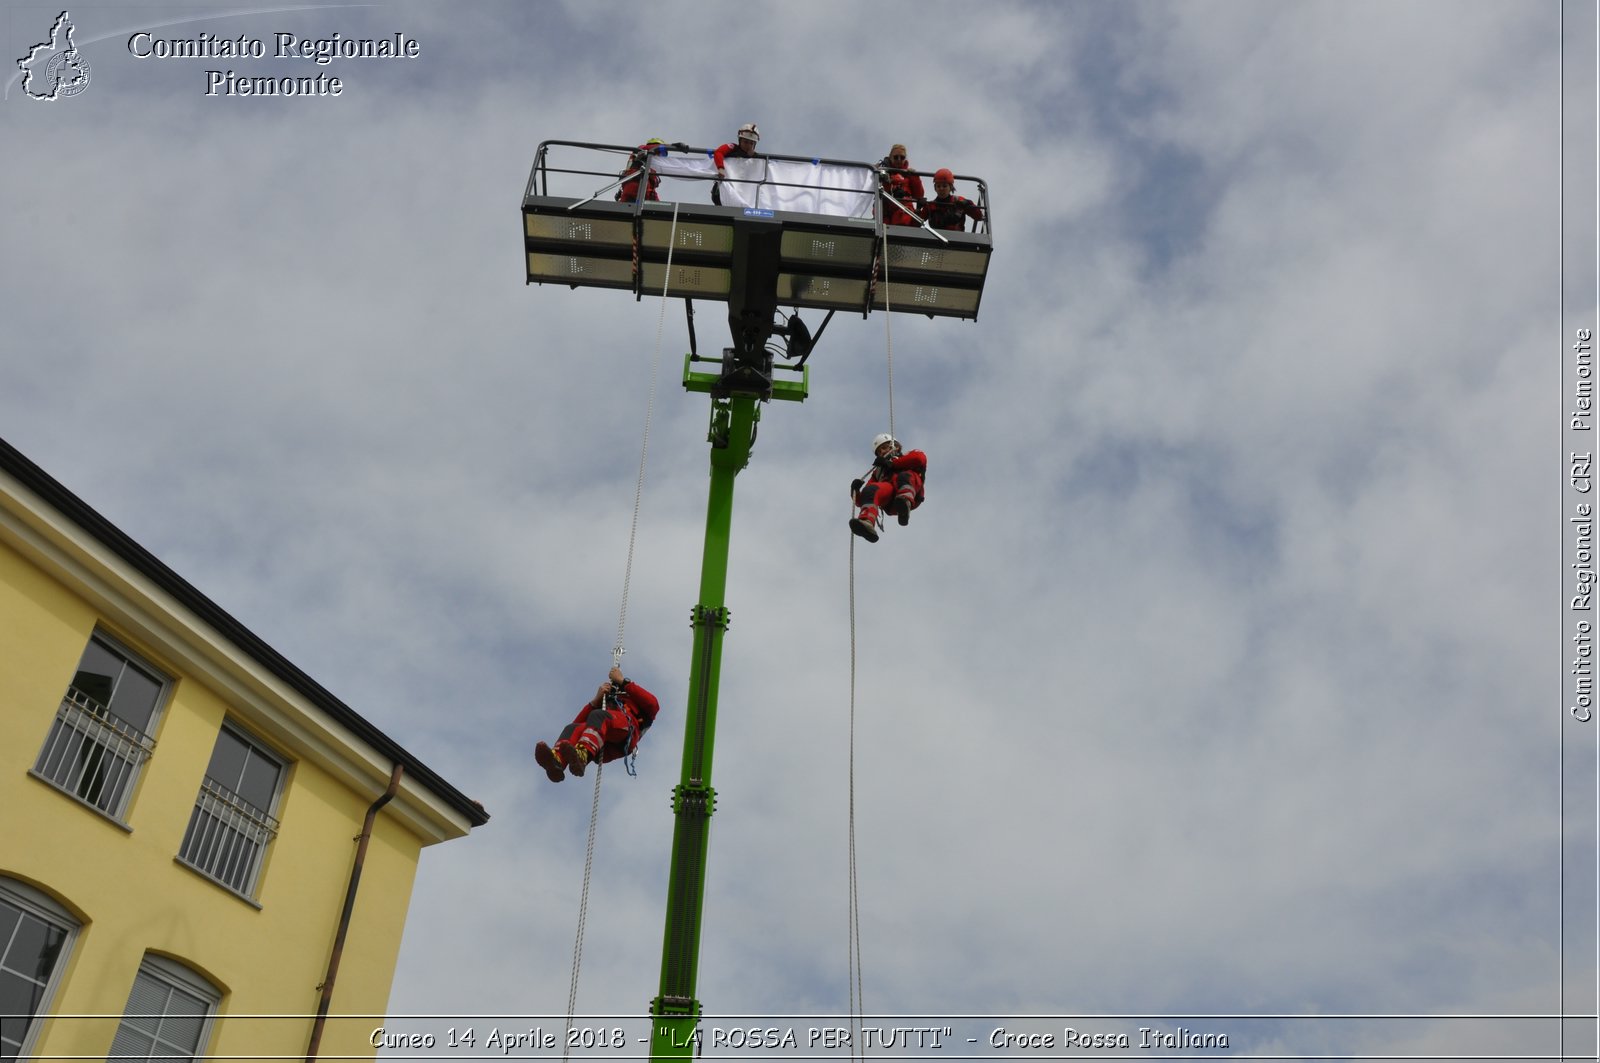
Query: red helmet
<point x="943" y="174"/>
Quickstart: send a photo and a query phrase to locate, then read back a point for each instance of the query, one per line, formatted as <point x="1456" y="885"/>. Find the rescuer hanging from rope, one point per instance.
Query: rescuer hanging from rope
<point x="892" y="485"/>
<point x="606" y="728"/>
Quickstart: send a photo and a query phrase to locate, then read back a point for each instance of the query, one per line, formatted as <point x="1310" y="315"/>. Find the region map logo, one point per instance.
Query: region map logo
<point x="55" y="69"/>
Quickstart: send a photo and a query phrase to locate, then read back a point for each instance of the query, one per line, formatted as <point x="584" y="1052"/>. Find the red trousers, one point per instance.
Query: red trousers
<point x="604" y="734"/>
<point x="905" y="489"/>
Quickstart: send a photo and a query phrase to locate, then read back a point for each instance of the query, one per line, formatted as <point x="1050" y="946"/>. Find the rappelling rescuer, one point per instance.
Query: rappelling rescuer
<point x="893" y="485"/>
<point x="608" y="726"/>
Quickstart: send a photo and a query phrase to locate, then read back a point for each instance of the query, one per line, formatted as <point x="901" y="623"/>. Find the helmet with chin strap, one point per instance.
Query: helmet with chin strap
<point x="884" y="437"/>
<point x="749" y="132"/>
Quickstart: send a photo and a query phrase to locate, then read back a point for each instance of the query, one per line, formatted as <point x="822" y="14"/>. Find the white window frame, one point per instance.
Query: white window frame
<point x="40" y="906"/>
<point x="170" y="975"/>
<point x="83" y="723"/>
<point x="230" y="823"/>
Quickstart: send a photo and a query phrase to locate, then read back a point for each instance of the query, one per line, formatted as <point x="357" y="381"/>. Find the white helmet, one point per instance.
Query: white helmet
<point x="882" y="438"/>
<point x="749" y="132"/>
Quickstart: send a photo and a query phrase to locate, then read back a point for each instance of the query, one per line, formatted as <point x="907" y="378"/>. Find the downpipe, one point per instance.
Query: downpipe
<point x="337" y="953"/>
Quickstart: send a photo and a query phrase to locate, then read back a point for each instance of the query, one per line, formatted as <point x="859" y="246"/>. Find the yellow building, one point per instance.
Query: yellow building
<point x="201" y="850"/>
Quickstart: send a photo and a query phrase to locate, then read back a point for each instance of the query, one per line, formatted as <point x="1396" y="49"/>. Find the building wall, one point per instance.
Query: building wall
<point x="133" y="896"/>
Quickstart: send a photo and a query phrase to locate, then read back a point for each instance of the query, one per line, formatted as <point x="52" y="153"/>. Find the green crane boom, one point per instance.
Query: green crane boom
<point x="675" y="1011"/>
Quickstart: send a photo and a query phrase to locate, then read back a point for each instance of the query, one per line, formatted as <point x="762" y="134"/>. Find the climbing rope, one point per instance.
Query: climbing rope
<point x="644" y="448"/>
<point x="888" y="329"/>
<point x="857" y="1007"/>
<point x="583" y="911"/>
<point x="617" y="650"/>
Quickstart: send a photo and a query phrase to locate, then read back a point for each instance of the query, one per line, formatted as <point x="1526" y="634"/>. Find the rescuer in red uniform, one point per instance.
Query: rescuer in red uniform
<point x="946" y="210"/>
<point x="896" y="180"/>
<point x="893" y="485"/>
<point x="744" y="148"/>
<point x="608" y="726"/>
<point x="640" y="160"/>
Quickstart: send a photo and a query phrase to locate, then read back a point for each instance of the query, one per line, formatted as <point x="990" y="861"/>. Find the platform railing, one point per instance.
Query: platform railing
<point x="581" y="170"/>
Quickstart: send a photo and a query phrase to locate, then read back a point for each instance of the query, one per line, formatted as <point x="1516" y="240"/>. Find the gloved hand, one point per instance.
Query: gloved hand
<point x="678" y="145"/>
<point x="855" y="487"/>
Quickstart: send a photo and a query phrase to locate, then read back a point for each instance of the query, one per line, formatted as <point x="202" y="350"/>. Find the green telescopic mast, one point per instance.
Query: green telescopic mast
<point x="676" y="1011"/>
<point x="745" y="380"/>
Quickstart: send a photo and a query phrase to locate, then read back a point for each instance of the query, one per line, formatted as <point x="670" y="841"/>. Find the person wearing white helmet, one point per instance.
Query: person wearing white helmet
<point x="743" y="147"/>
<point x="892" y="485"/>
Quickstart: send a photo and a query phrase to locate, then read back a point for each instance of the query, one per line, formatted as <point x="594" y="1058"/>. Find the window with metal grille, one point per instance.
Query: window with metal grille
<point x="168" y="1016"/>
<point x="232" y="820"/>
<point x="101" y="734"/>
<point x="35" y="936"/>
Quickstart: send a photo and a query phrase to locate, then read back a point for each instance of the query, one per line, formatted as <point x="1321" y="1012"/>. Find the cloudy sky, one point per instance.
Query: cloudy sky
<point x="1222" y="673"/>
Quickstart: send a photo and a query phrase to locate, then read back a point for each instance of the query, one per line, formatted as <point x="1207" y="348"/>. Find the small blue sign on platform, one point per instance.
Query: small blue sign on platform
<point x="757" y="212"/>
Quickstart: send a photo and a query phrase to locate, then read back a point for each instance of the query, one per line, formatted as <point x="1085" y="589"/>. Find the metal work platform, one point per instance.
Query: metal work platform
<point x="815" y="225"/>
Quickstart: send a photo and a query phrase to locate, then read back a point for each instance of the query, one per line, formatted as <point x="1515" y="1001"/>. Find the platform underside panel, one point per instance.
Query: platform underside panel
<point x="824" y="262"/>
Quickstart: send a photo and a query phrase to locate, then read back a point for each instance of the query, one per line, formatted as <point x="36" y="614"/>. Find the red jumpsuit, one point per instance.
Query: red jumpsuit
<point x="720" y="157"/>
<point x="894" y="485"/>
<point x="639" y="160"/>
<point x="612" y="730"/>
<point x="905" y="187"/>
<point x="951" y="212"/>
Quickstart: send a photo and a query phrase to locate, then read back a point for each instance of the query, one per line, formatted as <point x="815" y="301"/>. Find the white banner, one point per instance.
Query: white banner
<point x="776" y="184"/>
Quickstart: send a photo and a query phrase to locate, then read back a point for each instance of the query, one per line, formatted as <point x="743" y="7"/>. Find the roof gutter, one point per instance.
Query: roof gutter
<point x="85" y="517"/>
